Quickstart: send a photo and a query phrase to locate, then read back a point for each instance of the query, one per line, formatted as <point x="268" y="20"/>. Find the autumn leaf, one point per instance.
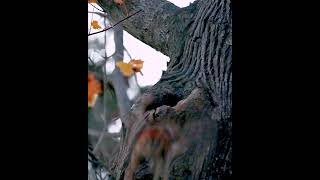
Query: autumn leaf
<point x="131" y="67"/>
<point x="95" y="25"/>
<point x="119" y="2"/>
<point x="94" y="89"/>
<point x="125" y="68"/>
<point x="136" y="65"/>
<point x="92" y="1"/>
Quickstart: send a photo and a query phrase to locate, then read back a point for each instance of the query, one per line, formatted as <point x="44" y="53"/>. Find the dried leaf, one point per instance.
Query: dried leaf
<point x="136" y="65"/>
<point x="94" y="89"/>
<point x="125" y="68"/>
<point x="92" y="1"/>
<point x="95" y="25"/>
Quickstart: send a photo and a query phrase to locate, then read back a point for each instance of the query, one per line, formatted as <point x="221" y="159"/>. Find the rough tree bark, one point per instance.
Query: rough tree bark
<point x="199" y="79"/>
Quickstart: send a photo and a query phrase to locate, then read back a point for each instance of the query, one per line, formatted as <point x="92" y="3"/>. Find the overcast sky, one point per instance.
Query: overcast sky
<point x="181" y="3"/>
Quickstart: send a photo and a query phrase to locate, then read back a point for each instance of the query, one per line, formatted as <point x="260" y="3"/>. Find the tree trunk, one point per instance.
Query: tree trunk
<point x="197" y="84"/>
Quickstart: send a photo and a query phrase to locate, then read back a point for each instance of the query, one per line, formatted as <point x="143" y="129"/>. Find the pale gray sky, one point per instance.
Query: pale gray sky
<point x="181" y="3"/>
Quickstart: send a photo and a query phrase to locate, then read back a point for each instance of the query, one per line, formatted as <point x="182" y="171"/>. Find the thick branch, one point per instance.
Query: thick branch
<point x="156" y="25"/>
<point x="120" y="82"/>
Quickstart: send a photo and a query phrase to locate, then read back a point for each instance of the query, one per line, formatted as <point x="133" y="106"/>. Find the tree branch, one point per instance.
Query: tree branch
<point x="154" y="26"/>
<point x="105" y="29"/>
<point x="167" y="36"/>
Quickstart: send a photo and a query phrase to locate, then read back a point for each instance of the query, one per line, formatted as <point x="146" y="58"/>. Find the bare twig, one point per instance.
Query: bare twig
<point x="105" y="176"/>
<point x="91" y="61"/>
<point x="101" y="137"/>
<point x="97" y="8"/>
<point x="125" y="49"/>
<point x="100" y="176"/>
<point x="103" y="62"/>
<point x="98" y="13"/>
<point x="105" y="37"/>
<point x="105" y="29"/>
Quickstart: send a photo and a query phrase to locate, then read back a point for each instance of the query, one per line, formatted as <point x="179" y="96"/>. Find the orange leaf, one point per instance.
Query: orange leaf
<point x="125" y="68"/>
<point x="94" y="89"/>
<point x="136" y="65"/>
<point x="95" y="25"/>
<point x="92" y="1"/>
<point x="119" y="2"/>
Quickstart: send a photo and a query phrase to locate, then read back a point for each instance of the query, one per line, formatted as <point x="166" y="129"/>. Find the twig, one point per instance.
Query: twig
<point x="100" y="176"/>
<point x="105" y="176"/>
<point x="105" y="29"/>
<point x="97" y="8"/>
<point x="98" y="13"/>
<point x="96" y="173"/>
<point x="106" y="59"/>
<point x="100" y="138"/>
<point x="125" y="49"/>
<point x="91" y="61"/>
<point x="105" y="37"/>
<point x="105" y="121"/>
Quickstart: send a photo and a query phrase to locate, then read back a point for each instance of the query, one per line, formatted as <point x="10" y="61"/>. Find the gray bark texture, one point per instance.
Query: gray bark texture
<point x="197" y="84"/>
